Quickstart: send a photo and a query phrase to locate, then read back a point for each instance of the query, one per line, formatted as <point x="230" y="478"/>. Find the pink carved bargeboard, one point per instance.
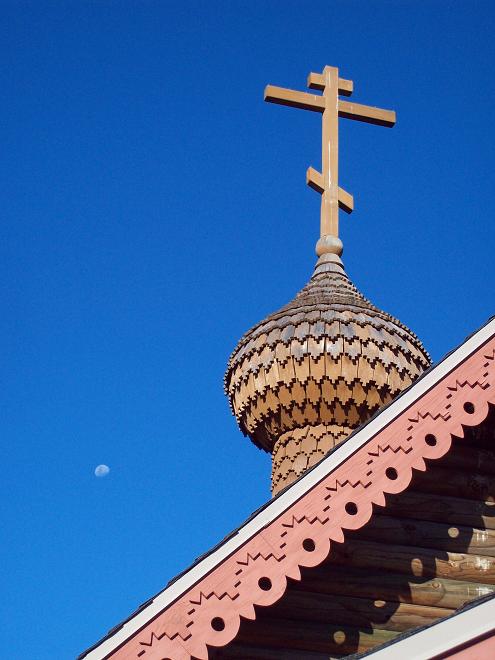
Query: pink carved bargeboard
<point x="256" y="574"/>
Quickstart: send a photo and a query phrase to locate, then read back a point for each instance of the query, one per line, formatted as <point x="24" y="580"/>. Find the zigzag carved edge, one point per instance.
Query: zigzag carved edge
<point x="256" y="574"/>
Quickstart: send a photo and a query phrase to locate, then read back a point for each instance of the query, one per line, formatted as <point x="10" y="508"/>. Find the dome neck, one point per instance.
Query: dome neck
<point x="329" y="263"/>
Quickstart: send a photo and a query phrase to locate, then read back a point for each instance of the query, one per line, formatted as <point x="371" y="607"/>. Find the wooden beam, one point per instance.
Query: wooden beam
<point x="314" y="179"/>
<point x="346" y="201"/>
<point x="457" y="483"/>
<point x="416" y="562"/>
<point x="455" y="510"/>
<point x="317" y="81"/>
<point x="283" y="96"/>
<point x="361" y="582"/>
<point x="359" y="612"/>
<point x="425" y="534"/>
<point x="366" y="113"/>
<point x="329" y="214"/>
<point x="470" y="459"/>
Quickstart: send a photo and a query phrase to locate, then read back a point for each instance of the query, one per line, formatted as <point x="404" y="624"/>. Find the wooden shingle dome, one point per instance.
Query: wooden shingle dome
<point x="301" y="380"/>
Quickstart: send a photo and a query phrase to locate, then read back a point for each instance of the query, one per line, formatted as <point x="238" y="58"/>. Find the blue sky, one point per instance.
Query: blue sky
<point x="154" y="208"/>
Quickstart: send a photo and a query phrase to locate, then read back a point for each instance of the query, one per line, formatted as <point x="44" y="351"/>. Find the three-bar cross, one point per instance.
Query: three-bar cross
<point x="331" y="107"/>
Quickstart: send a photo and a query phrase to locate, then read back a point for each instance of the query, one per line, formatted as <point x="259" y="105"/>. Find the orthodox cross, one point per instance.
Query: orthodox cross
<point x="331" y="107"/>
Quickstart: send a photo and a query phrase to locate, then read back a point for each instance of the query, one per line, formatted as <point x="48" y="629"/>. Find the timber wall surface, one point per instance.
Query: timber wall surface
<point x="428" y="552"/>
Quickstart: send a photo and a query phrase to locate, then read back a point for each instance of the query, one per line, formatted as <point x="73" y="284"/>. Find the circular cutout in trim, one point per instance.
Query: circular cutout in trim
<point x="351" y="508"/>
<point x="218" y="624"/>
<point x="469" y="407"/>
<point x="309" y="545"/>
<point x="265" y="584"/>
<point x="430" y="440"/>
<point x="391" y="473"/>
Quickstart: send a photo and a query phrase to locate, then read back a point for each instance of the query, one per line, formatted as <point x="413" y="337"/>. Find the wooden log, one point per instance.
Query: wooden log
<point x="310" y="636"/>
<point x="466" y="457"/>
<point x="396" y="587"/>
<point x="425" y="534"/>
<point x="418" y="562"/>
<point x="456" y="483"/>
<point x="455" y="510"/>
<point x="361" y="613"/>
<point x="482" y="436"/>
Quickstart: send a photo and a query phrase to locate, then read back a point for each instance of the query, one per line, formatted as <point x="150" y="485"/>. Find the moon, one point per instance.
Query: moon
<point x="101" y="470"/>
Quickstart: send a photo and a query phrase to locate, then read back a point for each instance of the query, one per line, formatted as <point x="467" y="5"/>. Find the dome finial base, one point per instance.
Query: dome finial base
<point x="329" y="263"/>
<point x="328" y="244"/>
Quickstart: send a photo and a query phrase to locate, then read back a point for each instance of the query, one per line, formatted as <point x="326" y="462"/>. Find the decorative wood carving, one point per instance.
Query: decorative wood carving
<point x="256" y="574"/>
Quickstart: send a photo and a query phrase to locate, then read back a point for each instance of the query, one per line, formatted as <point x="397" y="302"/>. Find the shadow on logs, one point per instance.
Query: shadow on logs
<point x="427" y="553"/>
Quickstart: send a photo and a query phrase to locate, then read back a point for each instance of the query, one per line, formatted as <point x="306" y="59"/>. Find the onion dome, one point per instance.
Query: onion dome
<point x="300" y="381"/>
<point x="303" y="379"/>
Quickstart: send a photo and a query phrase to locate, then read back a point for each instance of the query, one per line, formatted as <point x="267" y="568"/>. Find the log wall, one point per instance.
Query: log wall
<point x="427" y="553"/>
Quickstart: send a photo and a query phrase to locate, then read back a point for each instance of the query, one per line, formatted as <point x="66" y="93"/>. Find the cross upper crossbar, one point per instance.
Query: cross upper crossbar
<point x="331" y="108"/>
<point x="366" y="113"/>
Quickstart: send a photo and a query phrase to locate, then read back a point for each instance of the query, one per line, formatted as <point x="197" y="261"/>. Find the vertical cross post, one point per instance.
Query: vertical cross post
<point x="329" y="219"/>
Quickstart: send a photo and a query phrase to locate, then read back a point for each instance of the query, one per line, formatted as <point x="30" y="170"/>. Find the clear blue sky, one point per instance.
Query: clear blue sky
<point x="153" y="209"/>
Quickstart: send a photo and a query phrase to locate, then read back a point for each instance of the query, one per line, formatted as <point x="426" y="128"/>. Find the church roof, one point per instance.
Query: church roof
<point x="203" y="606"/>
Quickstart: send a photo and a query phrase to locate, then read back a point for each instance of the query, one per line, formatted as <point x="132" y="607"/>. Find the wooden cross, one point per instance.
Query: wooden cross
<point x="331" y="107"/>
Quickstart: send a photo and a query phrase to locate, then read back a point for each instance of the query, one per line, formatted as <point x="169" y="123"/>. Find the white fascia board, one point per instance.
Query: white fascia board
<point x="281" y="503"/>
<point x="446" y="635"/>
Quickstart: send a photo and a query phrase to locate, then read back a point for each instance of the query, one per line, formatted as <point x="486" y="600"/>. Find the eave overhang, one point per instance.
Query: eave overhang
<point x="297" y="529"/>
